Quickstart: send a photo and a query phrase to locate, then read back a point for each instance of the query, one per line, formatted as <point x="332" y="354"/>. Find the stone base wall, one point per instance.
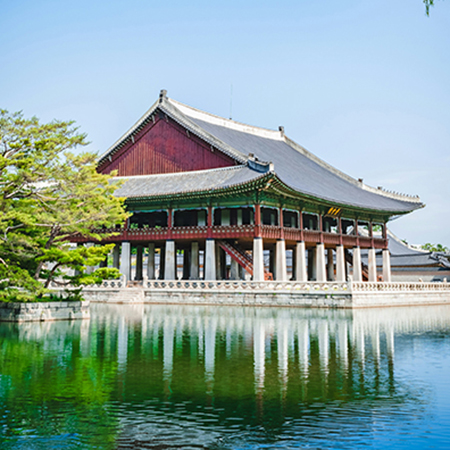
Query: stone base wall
<point x="384" y="299"/>
<point x="273" y="293"/>
<point x="43" y="311"/>
<point x="249" y="299"/>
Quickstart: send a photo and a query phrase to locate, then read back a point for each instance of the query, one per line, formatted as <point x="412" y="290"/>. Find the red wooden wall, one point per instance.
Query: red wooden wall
<point x="164" y="147"/>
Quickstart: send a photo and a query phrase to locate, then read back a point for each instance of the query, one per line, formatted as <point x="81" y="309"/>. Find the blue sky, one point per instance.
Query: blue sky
<point x="364" y="85"/>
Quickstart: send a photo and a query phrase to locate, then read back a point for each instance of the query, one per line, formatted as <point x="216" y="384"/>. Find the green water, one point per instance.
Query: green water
<point x="227" y="378"/>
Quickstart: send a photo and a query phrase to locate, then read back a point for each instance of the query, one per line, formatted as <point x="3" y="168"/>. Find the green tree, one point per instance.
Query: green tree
<point x="435" y="248"/>
<point x="428" y="4"/>
<point x="47" y="196"/>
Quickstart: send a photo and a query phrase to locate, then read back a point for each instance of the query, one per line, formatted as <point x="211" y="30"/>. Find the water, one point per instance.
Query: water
<point x="165" y="377"/>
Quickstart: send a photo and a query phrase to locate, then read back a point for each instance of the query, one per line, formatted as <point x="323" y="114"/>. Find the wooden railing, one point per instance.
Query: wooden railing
<point x="236" y="232"/>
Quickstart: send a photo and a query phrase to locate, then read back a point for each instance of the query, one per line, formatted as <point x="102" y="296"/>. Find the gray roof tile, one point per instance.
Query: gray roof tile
<point x="185" y="182"/>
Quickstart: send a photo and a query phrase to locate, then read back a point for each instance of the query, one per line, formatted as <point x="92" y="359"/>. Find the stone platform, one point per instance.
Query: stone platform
<point x="43" y="311"/>
<point x="272" y="293"/>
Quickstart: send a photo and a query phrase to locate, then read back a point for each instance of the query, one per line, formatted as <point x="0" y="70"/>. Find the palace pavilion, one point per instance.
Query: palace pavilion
<point x="216" y="199"/>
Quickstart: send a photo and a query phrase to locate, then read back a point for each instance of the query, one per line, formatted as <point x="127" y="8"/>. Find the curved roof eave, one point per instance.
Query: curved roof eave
<point x="330" y="201"/>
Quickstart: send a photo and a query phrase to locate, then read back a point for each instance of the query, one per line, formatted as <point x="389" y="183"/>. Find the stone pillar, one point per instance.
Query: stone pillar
<point x="186" y="263"/>
<point x="386" y="266"/>
<point x="300" y="267"/>
<point x="210" y="260"/>
<point x="258" y="259"/>
<point x="162" y="262"/>
<point x="311" y="264"/>
<point x="116" y="256"/>
<point x="219" y="266"/>
<point x="170" y="261"/>
<point x="272" y="261"/>
<point x="280" y="258"/>
<point x="222" y="263"/>
<point x="372" y="265"/>
<point x="340" y="264"/>
<point x="125" y="260"/>
<point x="234" y="270"/>
<point x="330" y="265"/>
<point x="194" y="272"/>
<point x="139" y="262"/>
<point x="320" y="263"/>
<point x="151" y="261"/>
<point x="357" y="267"/>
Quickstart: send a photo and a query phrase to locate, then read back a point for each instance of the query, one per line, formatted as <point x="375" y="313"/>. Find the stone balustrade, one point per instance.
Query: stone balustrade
<point x="399" y="287"/>
<point x="246" y="286"/>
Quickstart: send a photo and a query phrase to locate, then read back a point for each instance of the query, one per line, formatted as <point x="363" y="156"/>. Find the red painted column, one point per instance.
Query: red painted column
<point x="209" y="221"/>
<point x="257" y="220"/>
<point x="300" y="225"/>
<point x="280" y="222"/>
<point x="169" y="223"/>
<point x="385" y="235"/>
<point x="356" y="232"/>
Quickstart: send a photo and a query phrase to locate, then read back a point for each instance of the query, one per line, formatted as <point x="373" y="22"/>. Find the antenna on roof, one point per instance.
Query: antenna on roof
<point x="231" y="101"/>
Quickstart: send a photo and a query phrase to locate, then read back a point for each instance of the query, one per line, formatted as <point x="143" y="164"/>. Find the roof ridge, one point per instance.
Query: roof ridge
<point x="193" y="172"/>
<point x="227" y="123"/>
<point x="131" y="130"/>
<point x="359" y="183"/>
<point x="177" y="115"/>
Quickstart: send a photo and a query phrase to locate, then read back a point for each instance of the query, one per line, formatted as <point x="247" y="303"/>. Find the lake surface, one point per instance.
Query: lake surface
<point x="164" y="377"/>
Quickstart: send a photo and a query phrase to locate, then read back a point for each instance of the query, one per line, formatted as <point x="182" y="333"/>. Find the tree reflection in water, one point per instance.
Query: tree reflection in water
<point x="142" y="376"/>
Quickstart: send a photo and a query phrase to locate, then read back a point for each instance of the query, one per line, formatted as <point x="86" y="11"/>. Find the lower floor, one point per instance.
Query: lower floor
<point x="258" y="260"/>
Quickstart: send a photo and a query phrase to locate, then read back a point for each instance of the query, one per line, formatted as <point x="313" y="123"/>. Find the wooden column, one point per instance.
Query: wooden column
<point x="169" y="222"/>
<point x="281" y="222"/>
<point x="209" y="221"/>
<point x="300" y="224"/>
<point x="320" y="227"/>
<point x="257" y="220"/>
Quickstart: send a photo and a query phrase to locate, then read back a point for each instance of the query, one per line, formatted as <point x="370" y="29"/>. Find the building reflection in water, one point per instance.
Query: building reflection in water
<point x="159" y="370"/>
<point x="304" y="344"/>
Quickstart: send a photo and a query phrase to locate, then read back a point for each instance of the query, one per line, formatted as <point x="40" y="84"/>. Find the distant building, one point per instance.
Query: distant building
<point x="226" y="196"/>
<point x="411" y="264"/>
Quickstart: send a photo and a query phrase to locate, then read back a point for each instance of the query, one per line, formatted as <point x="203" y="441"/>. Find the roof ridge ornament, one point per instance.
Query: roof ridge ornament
<point x="260" y="166"/>
<point x="162" y="95"/>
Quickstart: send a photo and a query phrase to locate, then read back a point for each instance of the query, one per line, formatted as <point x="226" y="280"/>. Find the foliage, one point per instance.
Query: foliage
<point x="428" y="4"/>
<point x="435" y="248"/>
<point x="48" y="195"/>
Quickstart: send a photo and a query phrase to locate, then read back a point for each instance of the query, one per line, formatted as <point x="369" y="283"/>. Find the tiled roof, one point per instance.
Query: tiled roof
<point x="294" y="166"/>
<point x="185" y="182"/>
<point x="403" y="255"/>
